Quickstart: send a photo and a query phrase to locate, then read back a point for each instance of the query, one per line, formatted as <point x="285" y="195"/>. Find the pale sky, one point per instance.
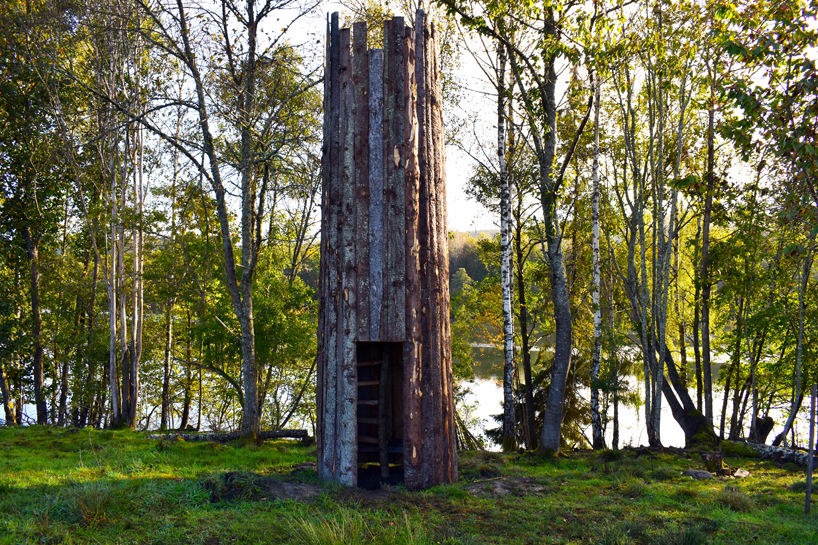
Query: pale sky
<point x="464" y="213"/>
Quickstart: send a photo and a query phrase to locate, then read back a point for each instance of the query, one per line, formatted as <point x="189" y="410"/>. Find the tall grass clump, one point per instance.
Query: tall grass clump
<point x="734" y="499"/>
<point x="690" y="535"/>
<point x="347" y="529"/>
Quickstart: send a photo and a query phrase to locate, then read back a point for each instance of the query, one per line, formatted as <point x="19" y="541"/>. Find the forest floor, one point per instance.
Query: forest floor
<point x="81" y="486"/>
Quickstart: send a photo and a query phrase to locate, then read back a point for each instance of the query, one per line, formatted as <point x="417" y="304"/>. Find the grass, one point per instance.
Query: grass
<point x="64" y="486"/>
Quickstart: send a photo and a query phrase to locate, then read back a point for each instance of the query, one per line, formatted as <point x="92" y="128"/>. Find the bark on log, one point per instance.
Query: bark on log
<point x="328" y="464"/>
<point x="360" y="80"/>
<point x="413" y="438"/>
<point x="376" y="147"/>
<point x="347" y="397"/>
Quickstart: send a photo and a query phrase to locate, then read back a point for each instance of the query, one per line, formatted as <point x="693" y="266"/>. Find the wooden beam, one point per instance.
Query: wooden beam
<point x="328" y="464"/>
<point x="347" y="431"/>
<point x="376" y="147"/>
<point x="413" y="432"/>
<point x="360" y="81"/>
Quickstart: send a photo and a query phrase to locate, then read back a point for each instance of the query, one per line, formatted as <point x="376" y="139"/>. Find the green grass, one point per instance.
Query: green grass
<point x="63" y="486"/>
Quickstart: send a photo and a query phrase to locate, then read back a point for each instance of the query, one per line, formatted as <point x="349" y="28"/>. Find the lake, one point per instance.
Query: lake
<point x="487" y="397"/>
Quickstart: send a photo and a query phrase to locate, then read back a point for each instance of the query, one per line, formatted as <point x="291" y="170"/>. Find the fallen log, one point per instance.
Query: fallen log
<point x="232" y="436"/>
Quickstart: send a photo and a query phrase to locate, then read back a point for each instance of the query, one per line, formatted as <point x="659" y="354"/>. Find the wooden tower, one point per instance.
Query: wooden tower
<point x="384" y="346"/>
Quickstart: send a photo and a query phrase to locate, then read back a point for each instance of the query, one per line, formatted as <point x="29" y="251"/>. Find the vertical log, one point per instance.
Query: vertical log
<point x="447" y="424"/>
<point x="323" y="269"/>
<point x="388" y="168"/>
<point x="429" y="263"/>
<point x="393" y="314"/>
<point x="439" y="462"/>
<point x="413" y="437"/>
<point x="328" y="463"/>
<point x="360" y="80"/>
<point x="376" y="146"/>
<point x="347" y="397"/>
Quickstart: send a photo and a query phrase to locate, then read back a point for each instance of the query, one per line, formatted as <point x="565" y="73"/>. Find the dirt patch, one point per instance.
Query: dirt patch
<point x="235" y="486"/>
<point x="494" y="488"/>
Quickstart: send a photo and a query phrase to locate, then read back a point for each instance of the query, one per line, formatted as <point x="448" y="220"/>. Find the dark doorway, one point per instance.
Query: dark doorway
<point x="380" y="414"/>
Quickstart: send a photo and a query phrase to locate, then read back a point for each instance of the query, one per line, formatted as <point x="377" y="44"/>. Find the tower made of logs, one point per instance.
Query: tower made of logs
<point x="385" y="401"/>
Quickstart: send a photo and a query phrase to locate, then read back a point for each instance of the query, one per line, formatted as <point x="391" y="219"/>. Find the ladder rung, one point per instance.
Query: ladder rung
<point x="369" y="383"/>
<point x="367" y="420"/>
<point x="368" y="363"/>
<point x="367" y="439"/>
<point x="368" y="402"/>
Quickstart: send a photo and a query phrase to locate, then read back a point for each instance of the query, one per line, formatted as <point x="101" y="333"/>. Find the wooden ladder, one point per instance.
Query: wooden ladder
<point x="382" y="382"/>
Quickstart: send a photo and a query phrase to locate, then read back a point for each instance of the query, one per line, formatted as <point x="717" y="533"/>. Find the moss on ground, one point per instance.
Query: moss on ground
<point x="67" y="486"/>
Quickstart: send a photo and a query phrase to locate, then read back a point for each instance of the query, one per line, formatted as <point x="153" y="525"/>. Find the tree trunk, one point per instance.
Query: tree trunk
<point x="188" y="396"/>
<point x="811" y="449"/>
<point x="704" y="271"/>
<point x="4" y="390"/>
<point x="163" y="421"/>
<point x="697" y="353"/>
<point x="799" y="348"/>
<point x="36" y="322"/>
<point x="525" y="348"/>
<point x="89" y="392"/>
<point x="509" y="435"/>
<point x="596" y="417"/>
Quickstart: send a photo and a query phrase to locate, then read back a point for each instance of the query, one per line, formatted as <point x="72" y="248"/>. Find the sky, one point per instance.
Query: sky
<point x="464" y="214"/>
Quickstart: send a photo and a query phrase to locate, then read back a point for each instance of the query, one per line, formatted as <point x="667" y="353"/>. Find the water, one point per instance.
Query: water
<point x="486" y="397"/>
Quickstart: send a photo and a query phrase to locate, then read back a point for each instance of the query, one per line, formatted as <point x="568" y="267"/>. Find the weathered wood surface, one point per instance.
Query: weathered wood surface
<point x="227" y="437"/>
<point x="376" y="252"/>
<point x="440" y="454"/>
<point x="347" y="396"/>
<point x="394" y="312"/>
<point x="327" y="466"/>
<point x="360" y="81"/>
<point x="320" y="386"/>
<point x="384" y="274"/>
<point x="413" y="433"/>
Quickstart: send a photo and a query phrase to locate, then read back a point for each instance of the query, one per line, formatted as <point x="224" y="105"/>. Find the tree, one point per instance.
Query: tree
<point x="262" y="125"/>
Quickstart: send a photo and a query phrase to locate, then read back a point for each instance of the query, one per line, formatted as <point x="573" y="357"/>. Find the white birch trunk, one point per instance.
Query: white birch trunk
<point x="596" y="417"/>
<point x="509" y="439"/>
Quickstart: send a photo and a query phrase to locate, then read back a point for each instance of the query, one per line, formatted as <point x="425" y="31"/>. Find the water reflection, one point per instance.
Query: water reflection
<point x="487" y="398"/>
